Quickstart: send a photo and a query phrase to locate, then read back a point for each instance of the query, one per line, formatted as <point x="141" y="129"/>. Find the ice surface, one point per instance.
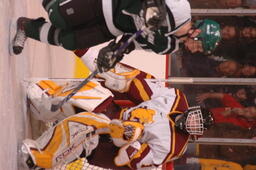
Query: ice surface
<point x="36" y="60"/>
<point x="14" y="70"/>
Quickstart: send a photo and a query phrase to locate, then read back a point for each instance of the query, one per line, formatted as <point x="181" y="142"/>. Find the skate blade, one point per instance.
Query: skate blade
<point x="21" y="162"/>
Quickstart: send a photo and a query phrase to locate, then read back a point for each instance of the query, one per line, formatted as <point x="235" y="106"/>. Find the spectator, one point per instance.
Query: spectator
<point x="249" y="4"/>
<point x="229" y="27"/>
<point x="248" y="32"/>
<point x="232" y="111"/>
<point x="243" y="95"/>
<point x="193" y="67"/>
<point x="227" y="68"/>
<point x="237" y="29"/>
<point x="247" y="71"/>
<point x="229" y="32"/>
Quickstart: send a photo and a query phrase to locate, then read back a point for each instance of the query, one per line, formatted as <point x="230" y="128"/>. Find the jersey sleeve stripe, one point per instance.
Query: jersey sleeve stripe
<point x="139" y="91"/>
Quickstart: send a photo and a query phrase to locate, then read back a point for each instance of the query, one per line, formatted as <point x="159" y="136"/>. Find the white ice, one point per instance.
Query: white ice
<point x="37" y="60"/>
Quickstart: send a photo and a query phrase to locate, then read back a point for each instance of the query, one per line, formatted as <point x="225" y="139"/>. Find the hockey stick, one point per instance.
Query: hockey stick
<point x="121" y="49"/>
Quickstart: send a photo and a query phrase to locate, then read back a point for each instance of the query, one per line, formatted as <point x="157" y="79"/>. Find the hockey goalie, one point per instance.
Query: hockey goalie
<point x="144" y="136"/>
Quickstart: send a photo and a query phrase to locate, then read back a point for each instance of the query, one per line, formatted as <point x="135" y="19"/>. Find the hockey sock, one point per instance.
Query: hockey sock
<point x="32" y="28"/>
<point x="43" y="31"/>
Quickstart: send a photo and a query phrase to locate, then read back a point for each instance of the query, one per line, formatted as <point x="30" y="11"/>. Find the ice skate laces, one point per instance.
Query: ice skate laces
<point x="20" y="37"/>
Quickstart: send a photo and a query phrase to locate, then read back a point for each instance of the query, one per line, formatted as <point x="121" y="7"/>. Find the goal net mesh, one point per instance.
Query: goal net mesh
<point x="82" y="164"/>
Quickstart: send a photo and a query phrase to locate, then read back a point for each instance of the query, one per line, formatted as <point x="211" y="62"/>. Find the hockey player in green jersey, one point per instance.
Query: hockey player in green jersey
<point x="79" y="24"/>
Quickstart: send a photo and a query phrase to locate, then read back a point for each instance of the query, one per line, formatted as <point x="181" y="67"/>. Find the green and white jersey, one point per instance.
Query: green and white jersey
<point x="125" y="16"/>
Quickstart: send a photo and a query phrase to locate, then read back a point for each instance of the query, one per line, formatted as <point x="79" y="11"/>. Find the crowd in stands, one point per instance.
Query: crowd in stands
<point x="233" y="106"/>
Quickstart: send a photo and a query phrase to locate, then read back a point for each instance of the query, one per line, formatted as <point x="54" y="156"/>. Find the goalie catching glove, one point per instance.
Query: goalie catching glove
<point x="125" y="132"/>
<point x="110" y="55"/>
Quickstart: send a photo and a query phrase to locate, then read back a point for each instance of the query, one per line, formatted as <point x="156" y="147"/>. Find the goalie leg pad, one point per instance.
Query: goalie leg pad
<point x="33" y="156"/>
<point x="91" y="96"/>
<point x="40" y="103"/>
<point x="66" y="141"/>
<point x="27" y="158"/>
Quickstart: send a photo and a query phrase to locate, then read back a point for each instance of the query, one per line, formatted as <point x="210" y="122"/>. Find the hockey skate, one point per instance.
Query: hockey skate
<point x="20" y="36"/>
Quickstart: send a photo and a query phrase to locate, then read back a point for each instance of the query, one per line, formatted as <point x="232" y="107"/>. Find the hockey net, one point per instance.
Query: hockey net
<point x="82" y="164"/>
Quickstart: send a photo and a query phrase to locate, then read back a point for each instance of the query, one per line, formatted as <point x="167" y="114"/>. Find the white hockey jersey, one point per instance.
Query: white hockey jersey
<point x="161" y="141"/>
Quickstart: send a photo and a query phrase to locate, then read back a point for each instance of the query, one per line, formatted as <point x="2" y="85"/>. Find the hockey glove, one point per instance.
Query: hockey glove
<point x="154" y="13"/>
<point x="110" y="55"/>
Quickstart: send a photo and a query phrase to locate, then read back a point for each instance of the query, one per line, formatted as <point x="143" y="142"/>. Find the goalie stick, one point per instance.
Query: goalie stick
<point x="121" y="49"/>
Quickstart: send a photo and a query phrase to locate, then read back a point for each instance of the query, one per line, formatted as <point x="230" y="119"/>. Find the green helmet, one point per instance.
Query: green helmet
<point x="210" y="34"/>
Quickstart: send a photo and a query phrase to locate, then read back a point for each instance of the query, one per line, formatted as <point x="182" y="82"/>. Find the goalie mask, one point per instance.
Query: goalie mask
<point x="195" y="120"/>
<point x="210" y="34"/>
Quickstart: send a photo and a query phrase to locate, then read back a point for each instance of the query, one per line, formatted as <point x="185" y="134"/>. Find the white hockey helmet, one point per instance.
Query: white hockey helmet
<point x="179" y="13"/>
